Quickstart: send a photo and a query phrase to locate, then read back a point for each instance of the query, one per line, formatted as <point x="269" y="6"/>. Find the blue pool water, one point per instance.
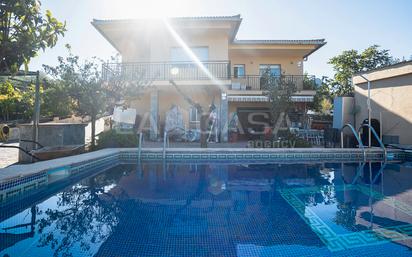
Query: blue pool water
<point x="169" y="209"/>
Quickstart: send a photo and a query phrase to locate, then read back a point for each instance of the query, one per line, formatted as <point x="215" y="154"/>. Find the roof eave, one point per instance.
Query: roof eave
<point x="95" y="24"/>
<point x="314" y="50"/>
<point x="236" y="29"/>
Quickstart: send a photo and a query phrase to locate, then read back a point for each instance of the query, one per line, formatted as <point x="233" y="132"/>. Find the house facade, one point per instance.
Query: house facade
<point x="202" y="56"/>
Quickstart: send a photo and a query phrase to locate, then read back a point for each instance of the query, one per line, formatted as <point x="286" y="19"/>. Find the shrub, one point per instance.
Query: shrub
<point x="113" y="139"/>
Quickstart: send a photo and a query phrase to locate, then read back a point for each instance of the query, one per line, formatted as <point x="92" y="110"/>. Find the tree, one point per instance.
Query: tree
<point x="350" y="62"/>
<point x="56" y="99"/>
<point x="119" y="88"/>
<point x="9" y="99"/>
<point x="83" y="84"/>
<point x="24" y="30"/>
<point x="279" y="90"/>
<point x="26" y="105"/>
<point x="84" y="216"/>
<point x="323" y="94"/>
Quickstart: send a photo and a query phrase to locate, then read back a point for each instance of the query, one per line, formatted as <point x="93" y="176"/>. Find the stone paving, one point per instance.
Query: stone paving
<point x="8" y="156"/>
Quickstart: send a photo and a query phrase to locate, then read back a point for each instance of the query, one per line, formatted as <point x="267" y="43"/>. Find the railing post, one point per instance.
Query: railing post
<point x="197" y="73"/>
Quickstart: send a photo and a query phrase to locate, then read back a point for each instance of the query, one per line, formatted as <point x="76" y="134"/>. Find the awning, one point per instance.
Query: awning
<point x="262" y="98"/>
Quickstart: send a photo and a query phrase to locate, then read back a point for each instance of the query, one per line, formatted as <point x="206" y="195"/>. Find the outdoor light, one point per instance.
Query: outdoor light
<point x="224" y="96"/>
<point x="174" y="71"/>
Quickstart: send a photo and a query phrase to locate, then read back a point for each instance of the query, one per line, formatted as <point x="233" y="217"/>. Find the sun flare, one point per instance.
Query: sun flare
<point x="154" y="9"/>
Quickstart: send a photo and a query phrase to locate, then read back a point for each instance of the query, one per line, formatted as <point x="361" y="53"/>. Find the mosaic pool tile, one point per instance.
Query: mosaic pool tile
<point x="130" y="156"/>
<point x="338" y="242"/>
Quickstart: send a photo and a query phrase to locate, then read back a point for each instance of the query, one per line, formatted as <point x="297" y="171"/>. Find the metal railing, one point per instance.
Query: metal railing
<point x="360" y="170"/>
<point x="166" y="143"/>
<point x="359" y="173"/>
<point x="139" y="151"/>
<point x="385" y="153"/>
<point x="176" y="71"/>
<point x="383" y="166"/>
<point x="257" y="82"/>
<point x="356" y="136"/>
<point x="165" y="70"/>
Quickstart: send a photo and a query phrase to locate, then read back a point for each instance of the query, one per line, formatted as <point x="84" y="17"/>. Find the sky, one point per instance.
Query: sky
<point x="345" y="24"/>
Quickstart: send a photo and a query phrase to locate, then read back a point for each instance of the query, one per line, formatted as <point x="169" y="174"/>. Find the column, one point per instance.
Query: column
<point x="224" y="109"/>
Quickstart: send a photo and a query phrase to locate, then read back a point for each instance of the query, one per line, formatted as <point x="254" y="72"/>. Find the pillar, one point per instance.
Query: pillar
<point x="224" y="112"/>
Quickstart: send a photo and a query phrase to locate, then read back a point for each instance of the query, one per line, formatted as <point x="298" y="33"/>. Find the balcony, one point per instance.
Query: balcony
<point x="190" y="71"/>
<point x="158" y="71"/>
<point x="254" y="82"/>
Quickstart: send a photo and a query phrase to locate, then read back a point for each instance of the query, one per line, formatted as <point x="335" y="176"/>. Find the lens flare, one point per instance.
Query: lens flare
<point x="192" y="56"/>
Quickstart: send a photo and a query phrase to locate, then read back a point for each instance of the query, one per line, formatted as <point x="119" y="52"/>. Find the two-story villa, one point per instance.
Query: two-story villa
<point x="208" y="64"/>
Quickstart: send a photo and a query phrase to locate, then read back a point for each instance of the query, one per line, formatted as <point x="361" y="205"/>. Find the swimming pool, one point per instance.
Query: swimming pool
<point x="216" y="209"/>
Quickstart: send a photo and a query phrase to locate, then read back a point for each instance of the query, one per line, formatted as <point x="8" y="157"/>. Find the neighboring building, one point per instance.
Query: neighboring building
<point x="391" y="100"/>
<point x="157" y="50"/>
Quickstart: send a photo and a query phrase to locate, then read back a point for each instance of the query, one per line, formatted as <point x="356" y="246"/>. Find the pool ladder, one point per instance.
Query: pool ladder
<point x="372" y="179"/>
<point x="166" y="143"/>
<point x="139" y="149"/>
<point x="360" y="144"/>
<point x="356" y="136"/>
<point x="381" y="145"/>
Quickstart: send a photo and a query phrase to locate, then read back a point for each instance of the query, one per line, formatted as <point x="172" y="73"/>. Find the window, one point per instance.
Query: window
<point x="178" y="54"/>
<point x="239" y="70"/>
<point x="274" y="69"/>
<point x="194" y="115"/>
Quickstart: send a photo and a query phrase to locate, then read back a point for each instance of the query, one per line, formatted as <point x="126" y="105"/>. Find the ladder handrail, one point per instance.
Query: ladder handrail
<point x="139" y="151"/>
<point x="379" y="173"/>
<point x="356" y="136"/>
<point x="377" y="138"/>
<point x="165" y="141"/>
<point x="358" y="173"/>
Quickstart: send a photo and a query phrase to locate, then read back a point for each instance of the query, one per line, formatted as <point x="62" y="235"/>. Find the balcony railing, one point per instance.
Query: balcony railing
<point x="255" y="82"/>
<point x="158" y="71"/>
<point x="165" y="70"/>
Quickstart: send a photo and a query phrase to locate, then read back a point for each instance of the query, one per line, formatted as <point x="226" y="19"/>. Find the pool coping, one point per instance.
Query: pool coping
<point x="289" y="154"/>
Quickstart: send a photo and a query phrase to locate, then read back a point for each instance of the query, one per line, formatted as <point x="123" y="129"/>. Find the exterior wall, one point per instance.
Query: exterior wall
<point x="390" y="98"/>
<point x="51" y="134"/>
<point x="157" y="47"/>
<point x="343" y="112"/>
<point x="288" y="63"/>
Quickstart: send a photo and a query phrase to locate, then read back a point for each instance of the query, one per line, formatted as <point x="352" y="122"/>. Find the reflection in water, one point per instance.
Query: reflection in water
<point x="208" y="210"/>
<point x="10" y="239"/>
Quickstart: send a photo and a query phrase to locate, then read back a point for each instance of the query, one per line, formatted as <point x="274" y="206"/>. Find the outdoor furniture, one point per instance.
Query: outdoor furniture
<point x="315" y="137"/>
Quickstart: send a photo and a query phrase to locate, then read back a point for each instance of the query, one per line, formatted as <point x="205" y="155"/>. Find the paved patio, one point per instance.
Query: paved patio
<point x="8" y="156"/>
